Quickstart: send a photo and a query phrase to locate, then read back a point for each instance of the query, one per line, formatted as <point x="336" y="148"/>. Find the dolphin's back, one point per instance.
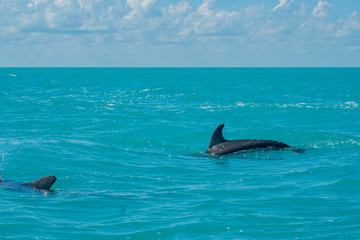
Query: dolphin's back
<point x="241" y="145"/>
<point x="220" y="146"/>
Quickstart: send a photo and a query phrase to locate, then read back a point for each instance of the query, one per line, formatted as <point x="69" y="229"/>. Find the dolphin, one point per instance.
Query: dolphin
<point x="220" y="146"/>
<point x="44" y="183"/>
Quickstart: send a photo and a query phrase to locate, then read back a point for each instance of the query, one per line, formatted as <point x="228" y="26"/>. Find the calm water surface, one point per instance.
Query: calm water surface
<point x="125" y="146"/>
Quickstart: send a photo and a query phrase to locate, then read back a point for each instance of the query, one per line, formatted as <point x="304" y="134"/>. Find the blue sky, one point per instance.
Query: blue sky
<point x="180" y="33"/>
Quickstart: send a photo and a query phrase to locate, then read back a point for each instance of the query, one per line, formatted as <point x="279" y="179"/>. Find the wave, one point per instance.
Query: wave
<point x="341" y="105"/>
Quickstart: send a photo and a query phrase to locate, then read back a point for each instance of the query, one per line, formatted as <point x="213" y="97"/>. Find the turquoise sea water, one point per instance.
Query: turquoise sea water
<point x="125" y="146"/>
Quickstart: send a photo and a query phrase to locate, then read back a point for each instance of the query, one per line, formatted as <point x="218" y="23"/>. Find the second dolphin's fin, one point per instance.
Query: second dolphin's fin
<point x="44" y="183"/>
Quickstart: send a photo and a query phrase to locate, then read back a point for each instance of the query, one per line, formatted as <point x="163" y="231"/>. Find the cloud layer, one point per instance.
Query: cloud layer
<point x="297" y="26"/>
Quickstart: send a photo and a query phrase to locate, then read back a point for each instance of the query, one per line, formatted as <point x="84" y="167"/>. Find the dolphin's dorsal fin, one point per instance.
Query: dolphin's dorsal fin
<point x="44" y="183"/>
<point x="217" y="136"/>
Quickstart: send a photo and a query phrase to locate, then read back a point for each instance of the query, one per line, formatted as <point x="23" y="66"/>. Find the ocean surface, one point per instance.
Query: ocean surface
<point x="127" y="144"/>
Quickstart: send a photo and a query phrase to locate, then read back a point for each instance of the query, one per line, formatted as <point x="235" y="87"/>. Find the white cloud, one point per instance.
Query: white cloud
<point x="353" y="21"/>
<point x="63" y="3"/>
<point x="254" y="12"/>
<point x="322" y="9"/>
<point x="204" y="8"/>
<point x="348" y="26"/>
<point x="173" y="16"/>
<point x="139" y="7"/>
<point x="206" y="20"/>
<point x="178" y="9"/>
<point x="143" y="4"/>
<point x="281" y="3"/>
<point x="35" y="3"/>
<point x="4" y="31"/>
<point x="354" y="48"/>
<point x="50" y="17"/>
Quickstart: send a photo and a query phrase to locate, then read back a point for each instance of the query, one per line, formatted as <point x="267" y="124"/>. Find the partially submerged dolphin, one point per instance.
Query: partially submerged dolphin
<point x="220" y="146"/>
<point x="44" y="183"/>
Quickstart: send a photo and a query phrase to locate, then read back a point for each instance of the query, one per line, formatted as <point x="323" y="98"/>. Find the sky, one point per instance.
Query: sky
<point x="179" y="33"/>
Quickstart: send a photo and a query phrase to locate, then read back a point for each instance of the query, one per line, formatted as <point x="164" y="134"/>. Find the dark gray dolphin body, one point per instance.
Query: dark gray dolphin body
<point x="220" y="146"/>
<point x="44" y="183"/>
